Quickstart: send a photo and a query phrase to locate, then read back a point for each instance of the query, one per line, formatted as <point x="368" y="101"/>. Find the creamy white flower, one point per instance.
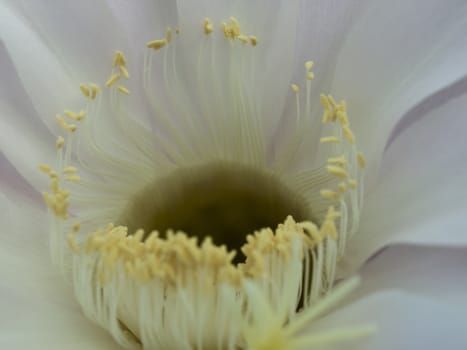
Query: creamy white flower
<point x="227" y="109"/>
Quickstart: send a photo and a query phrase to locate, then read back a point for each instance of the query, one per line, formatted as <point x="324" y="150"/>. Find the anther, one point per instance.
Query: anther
<point x="112" y="80"/>
<point x="124" y="72"/>
<point x="295" y="88"/>
<point x="44" y="168"/>
<point x="328" y="139"/>
<point x="253" y="40"/>
<point x="60" y="142"/>
<point x="207" y="26"/>
<point x="337" y="171"/>
<point x="157" y="44"/>
<point x="123" y="89"/>
<point x="84" y="89"/>
<point x="328" y="194"/>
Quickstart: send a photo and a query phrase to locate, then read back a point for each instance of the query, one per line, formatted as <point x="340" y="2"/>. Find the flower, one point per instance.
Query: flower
<point x="230" y="98"/>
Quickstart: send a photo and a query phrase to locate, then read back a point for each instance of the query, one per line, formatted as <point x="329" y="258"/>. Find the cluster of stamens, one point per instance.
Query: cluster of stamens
<point x="170" y="260"/>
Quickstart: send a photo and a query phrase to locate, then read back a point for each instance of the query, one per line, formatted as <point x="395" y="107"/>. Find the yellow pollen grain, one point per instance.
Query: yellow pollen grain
<point x="243" y="39"/>
<point x="295" y="88"/>
<point x="70" y="170"/>
<point x="157" y="44"/>
<point x="95" y="89"/>
<point x="337" y="171"/>
<point x="207" y="26"/>
<point x="60" y="142"/>
<point x="123" y="89"/>
<point x="84" y="89"/>
<point x="329" y="194"/>
<point x="329" y="139"/>
<point x="112" y="80"/>
<point x="338" y="160"/>
<point x="124" y="72"/>
<point x="361" y="160"/>
<point x="348" y="134"/>
<point x="73" y="178"/>
<point x="119" y="59"/>
<point x="44" y="168"/>
<point x="253" y="40"/>
<point x="64" y="124"/>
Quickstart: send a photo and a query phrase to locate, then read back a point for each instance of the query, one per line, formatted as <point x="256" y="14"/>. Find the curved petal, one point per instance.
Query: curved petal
<point x="24" y="141"/>
<point x="38" y="310"/>
<point x="404" y="322"/>
<point x="421" y="194"/>
<point x="397" y="53"/>
<point x="432" y="272"/>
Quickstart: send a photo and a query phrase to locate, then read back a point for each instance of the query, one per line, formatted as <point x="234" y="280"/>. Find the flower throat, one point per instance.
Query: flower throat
<point x="221" y="200"/>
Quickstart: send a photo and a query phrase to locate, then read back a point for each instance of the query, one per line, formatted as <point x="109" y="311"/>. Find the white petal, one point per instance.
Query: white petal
<point x="38" y="309"/>
<point x="421" y="194"/>
<point x="396" y="54"/>
<point x="431" y="272"/>
<point x="24" y="141"/>
<point x="405" y="321"/>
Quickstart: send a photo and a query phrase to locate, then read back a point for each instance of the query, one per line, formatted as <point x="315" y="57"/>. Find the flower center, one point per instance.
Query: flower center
<point x="222" y="200"/>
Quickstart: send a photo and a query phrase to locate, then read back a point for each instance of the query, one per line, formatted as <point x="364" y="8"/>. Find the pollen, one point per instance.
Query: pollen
<point x="207" y="26"/>
<point x="157" y="44"/>
<point x="112" y="80"/>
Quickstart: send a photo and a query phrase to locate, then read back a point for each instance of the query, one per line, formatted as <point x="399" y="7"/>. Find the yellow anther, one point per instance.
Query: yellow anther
<point x="253" y="40"/>
<point x="207" y="26"/>
<point x="338" y="160"/>
<point x="44" y="168"/>
<point x="64" y="124"/>
<point x="168" y="34"/>
<point x="84" y="89"/>
<point x="332" y="102"/>
<point x="75" y="116"/>
<point x="348" y="134"/>
<point x="157" y="44"/>
<point x="328" y="111"/>
<point x="119" y="59"/>
<point x="228" y="32"/>
<point x="352" y="184"/>
<point x="112" y="80"/>
<point x="328" y="139"/>
<point x="73" y="178"/>
<point x="361" y="160"/>
<point x="60" y="142"/>
<point x="70" y="170"/>
<point x="95" y="89"/>
<point x="342" y="117"/>
<point x="308" y="65"/>
<point x="123" y="89"/>
<point x="243" y="39"/>
<point x="337" y="171"/>
<point x="328" y="194"/>
<point x="295" y="88"/>
<point x="73" y="243"/>
<point x="342" y="187"/>
<point x="235" y="27"/>
<point x="53" y="174"/>
<point x="76" y="227"/>
<point x="310" y="75"/>
<point x="124" y="72"/>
